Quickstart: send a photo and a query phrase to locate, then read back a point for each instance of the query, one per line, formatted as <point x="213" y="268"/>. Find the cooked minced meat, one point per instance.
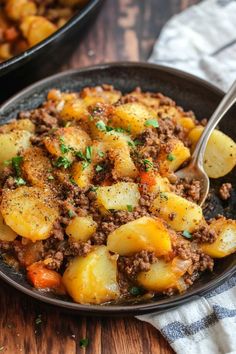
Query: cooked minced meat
<point x="225" y="191"/>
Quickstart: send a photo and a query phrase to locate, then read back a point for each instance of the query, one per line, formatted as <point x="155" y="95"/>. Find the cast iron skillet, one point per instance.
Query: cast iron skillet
<point x="189" y="92"/>
<point x="43" y="59"/>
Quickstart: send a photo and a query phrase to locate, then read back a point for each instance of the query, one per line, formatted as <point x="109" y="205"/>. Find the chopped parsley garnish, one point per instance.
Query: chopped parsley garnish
<point x="50" y="177"/>
<point x="170" y="157"/>
<point x="19" y="181"/>
<point x="84" y="165"/>
<point x="94" y="189"/>
<point x="129" y="207"/>
<point x="16" y="163"/>
<point x="72" y="181"/>
<point x="163" y="196"/>
<point x="71" y="213"/>
<point x="88" y="153"/>
<point x="151" y="123"/>
<point x="84" y="342"/>
<point x="135" y="291"/>
<point x="101" y="126"/>
<point x="63" y="161"/>
<point x="137" y="142"/>
<point x="86" y="157"/>
<point x="101" y="153"/>
<point x="186" y="234"/>
<point x="38" y="319"/>
<point x="147" y="164"/>
<point x="131" y="144"/>
<point x="99" y="168"/>
<point x="64" y="148"/>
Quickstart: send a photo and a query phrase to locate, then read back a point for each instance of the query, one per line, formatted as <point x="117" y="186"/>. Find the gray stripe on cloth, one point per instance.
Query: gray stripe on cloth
<point x="177" y="330"/>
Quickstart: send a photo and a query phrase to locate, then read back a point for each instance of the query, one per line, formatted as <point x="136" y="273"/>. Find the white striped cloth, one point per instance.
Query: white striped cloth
<point x="202" y="41"/>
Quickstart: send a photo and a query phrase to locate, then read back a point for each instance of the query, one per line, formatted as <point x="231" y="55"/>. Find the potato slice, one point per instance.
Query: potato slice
<point x="194" y="136"/>
<point x="225" y="243"/>
<point x="92" y="279"/>
<point x="220" y="155"/>
<point x="163" y="275"/>
<point x="93" y="95"/>
<point x="6" y="233"/>
<point x="187" y="215"/>
<point x="144" y="233"/>
<point x="177" y="154"/>
<point x="120" y="153"/>
<point x="29" y="211"/>
<point x="36" y="167"/>
<point x="118" y="196"/>
<point x="72" y="137"/>
<point x="74" y="110"/>
<point x="36" y="28"/>
<point x="162" y="184"/>
<point x="20" y="124"/>
<point x="12" y="143"/>
<point x="17" y="9"/>
<point x="81" y="228"/>
<point x="132" y="116"/>
<point x="187" y="123"/>
<point x="82" y="175"/>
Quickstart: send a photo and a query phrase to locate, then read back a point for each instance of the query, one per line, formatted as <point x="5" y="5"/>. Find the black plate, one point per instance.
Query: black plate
<point x="44" y="58"/>
<point x="189" y="92"/>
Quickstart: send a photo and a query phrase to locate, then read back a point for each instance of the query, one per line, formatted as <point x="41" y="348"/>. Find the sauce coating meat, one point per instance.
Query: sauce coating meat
<point x="91" y="206"/>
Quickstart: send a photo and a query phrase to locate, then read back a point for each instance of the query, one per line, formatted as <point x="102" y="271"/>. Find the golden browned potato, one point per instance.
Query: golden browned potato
<point x="36" y="167"/>
<point x="29" y="211"/>
<point x="187" y="123"/>
<point x="133" y="116"/>
<point x="174" y="158"/>
<point x="6" y="233"/>
<point x="69" y="138"/>
<point x="36" y="28"/>
<point x="92" y="279"/>
<point x="144" y="233"/>
<point x="119" y="196"/>
<point x="81" y="174"/>
<point x="18" y="9"/>
<point x="225" y="243"/>
<point x="81" y="228"/>
<point x="187" y="215"/>
<point x="74" y="110"/>
<point x="12" y="143"/>
<point x="93" y="95"/>
<point x="73" y="2"/>
<point x="161" y="184"/>
<point x="21" y="124"/>
<point x="164" y="275"/>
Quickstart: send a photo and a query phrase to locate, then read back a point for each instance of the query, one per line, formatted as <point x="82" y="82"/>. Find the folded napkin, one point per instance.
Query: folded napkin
<point x="202" y="41"/>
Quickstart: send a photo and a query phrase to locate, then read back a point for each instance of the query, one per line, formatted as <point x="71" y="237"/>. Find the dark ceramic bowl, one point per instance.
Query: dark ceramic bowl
<point x="189" y="92"/>
<point x="44" y="58"/>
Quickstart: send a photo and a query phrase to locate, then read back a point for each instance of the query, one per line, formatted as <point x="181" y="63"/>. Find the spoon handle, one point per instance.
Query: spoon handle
<point x="225" y="104"/>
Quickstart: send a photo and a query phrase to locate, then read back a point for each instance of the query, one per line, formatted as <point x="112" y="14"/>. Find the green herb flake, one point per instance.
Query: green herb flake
<point x="131" y="144"/>
<point x="94" y="189"/>
<point x="38" y="319"/>
<point x="151" y="123"/>
<point x="84" y="342"/>
<point x="163" y="196"/>
<point x="186" y="234"/>
<point x="147" y="164"/>
<point x="19" y="181"/>
<point x="137" y="142"/>
<point x="16" y="163"/>
<point x="64" y="148"/>
<point x="170" y="157"/>
<point x="88" y="153"/>
<point x="71" y="213"/>
<point x="129" y="208"/>
<point x="135" y="291"/>
<point x="98" y="168"/>
<point x="101" y="126"/>
<point x="72" y="181"/>
<point x="84" y="165"/>
<point x="101" y="154"/>
<point x="63" y="162"/>
<point x="50" y="178"/>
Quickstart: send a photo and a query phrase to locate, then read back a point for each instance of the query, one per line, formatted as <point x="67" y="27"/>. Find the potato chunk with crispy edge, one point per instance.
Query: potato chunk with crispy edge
<point x="81" y="228"/>
<point x="92" y="279"/>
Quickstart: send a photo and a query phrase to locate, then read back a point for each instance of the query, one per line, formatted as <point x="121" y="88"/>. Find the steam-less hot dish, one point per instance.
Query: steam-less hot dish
<point x="24" y="23"/>
<point x="90" y="203"/>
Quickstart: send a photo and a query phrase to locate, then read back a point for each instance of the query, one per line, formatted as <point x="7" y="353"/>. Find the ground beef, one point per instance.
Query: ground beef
<point x="140" y="261"/>
<point x="204" y="234"/>
<point x="190" y="190"/>
<point x="55" y="262"/>
<point x="79" y="248"/>
<point x="225" y="191"/>
<point x="44" y="122"/>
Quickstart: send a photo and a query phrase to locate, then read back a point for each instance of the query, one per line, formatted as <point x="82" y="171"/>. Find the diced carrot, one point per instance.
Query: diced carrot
<point x="42" y="277"/>
<point x="147" y="178"/>
<point x="11" y="34"/>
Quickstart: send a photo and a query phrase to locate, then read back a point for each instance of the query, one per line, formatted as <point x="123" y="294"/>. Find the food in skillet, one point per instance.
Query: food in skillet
<point x="24" y="23"/>
<point x="90" y="203"/>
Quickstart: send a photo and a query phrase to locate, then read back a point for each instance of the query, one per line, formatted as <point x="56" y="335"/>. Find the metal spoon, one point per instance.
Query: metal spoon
<point x="195" y="169"/>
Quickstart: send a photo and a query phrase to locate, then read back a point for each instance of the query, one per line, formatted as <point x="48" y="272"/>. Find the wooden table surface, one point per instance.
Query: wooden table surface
<point x="123" y="30"/>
